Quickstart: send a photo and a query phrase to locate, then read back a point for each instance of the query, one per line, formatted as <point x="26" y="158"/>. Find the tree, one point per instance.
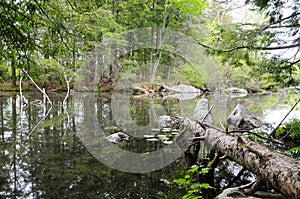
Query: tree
<point x="270" y="46"/>
<point x="17" y="23"/>
<point x="283" y="22"/>
<point x="275" y="169"/>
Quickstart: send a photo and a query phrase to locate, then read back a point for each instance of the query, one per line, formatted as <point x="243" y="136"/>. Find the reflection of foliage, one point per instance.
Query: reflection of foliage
<point x="140" y="111"/>
<point x="256" y="103"/>
<point x="54" y="163"/>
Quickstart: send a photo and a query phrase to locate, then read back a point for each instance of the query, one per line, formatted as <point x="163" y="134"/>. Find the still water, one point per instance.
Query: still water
<point x="53" y="151"/>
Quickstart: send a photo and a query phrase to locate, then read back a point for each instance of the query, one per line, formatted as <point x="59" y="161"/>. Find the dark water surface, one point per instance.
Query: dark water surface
<point x="51" y="157"/>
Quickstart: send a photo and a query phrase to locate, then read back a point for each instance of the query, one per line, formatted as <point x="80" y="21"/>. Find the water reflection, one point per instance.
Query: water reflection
<point x="53" y="161"/>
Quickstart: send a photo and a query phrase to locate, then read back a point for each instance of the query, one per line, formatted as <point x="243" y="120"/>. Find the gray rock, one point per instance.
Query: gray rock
<point x="235" y="193"/>
<point x="118" y="137"/>
<point x="183" y="92"/>
<point x="241" y="119"/>
<point x="237" y="92"/>
<point x="164" y="120"/>
<point x="183" y="88"/>
<point x="201" y="111"/>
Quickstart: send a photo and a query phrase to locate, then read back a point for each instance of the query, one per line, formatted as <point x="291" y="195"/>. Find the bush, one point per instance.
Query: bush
<point x="290" y="134"/>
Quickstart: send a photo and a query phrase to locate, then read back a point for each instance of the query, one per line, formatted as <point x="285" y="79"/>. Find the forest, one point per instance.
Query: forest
<point x="155" y="98"/>
<point x="49" y="39"/>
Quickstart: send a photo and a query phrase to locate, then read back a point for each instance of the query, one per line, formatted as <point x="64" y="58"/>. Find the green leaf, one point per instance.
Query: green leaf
<point x="206" y="186"/>
<point x="196" y="186"/>
<point x="187" y="176"/>
<point x="204" y="170"/>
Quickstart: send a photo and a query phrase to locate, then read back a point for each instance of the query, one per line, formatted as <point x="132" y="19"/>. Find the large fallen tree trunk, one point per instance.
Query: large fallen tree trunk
<point x="277" y="170"/>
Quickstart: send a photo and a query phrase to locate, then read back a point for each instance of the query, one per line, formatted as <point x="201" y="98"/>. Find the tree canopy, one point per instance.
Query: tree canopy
<point x="49" y="38"/>
<point x="269" y="46"/>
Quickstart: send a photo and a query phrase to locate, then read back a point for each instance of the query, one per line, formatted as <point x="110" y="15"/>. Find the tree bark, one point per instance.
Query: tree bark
<point x="13" y="72"/>
<point x="277" y="170"/>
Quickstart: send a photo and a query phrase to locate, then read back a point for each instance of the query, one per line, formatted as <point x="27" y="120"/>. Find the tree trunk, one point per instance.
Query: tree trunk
<point x="13" y="72"/>
<point x="277" y="170"/>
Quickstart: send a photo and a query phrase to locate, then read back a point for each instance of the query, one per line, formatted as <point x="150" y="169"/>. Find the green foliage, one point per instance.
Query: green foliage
<point x="290" y="133"/>
<point x="192" y="75"/>
<point x="190" y="184"/>
<point x="292" y="128"/>
<point x="190" y="7"/>
<point x="294" y="151"/>
<point x="62" y="30"/>
<point x="258" y="44"/>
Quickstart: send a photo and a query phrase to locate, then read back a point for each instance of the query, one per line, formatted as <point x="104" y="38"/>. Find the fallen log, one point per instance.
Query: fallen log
<point x="275" y="169"/>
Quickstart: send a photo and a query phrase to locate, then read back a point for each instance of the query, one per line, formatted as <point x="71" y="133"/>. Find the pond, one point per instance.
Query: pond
<point x="58" y="152"/>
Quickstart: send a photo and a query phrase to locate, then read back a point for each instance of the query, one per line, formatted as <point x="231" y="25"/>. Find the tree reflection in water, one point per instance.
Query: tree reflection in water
<point x="52" y="162"/>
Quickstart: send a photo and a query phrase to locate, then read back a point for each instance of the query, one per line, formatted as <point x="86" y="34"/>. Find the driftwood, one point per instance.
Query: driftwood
<point x="276" y="170"/>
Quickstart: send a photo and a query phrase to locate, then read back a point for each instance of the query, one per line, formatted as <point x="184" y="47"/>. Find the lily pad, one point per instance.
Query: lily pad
<point x="152" y="139"/>
<point x="161" y="136"/>
<point x="166" y="129"/>
<point x="167" y="142"/>
<point x="155" y="129"/>
<point x="148" y="136"/>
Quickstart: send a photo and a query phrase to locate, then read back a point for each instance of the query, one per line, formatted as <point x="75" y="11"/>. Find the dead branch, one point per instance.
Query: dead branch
<point x="280" y="123"/>
<point x="35" y="84"/>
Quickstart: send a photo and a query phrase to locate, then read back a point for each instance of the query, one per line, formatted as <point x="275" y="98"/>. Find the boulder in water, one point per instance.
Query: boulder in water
<point x="164" y="120"/>
<point x="118" y="137"/>
<point x="237" y="92"/>
<point x="182" y="92"/>
<point x="183" y="88"/>
<point x="201" y="111"/>
<point x="241" y="119"/>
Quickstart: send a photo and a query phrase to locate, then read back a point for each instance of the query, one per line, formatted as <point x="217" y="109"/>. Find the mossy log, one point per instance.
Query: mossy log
<point x="277" y="170"/>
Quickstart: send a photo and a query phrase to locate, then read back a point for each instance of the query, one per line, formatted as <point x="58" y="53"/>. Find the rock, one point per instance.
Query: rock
<point x="183" y="88"/>
<point x="118" y="137"/>
<point x="241" y="119"/>
<point x="237" y="92"/>
<point x="182" y="92"/>
<point x="235" y="193"/>
<point x="201" y="111"/>
<point x="164" y="120"/>
<point x="185" y="92"/>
